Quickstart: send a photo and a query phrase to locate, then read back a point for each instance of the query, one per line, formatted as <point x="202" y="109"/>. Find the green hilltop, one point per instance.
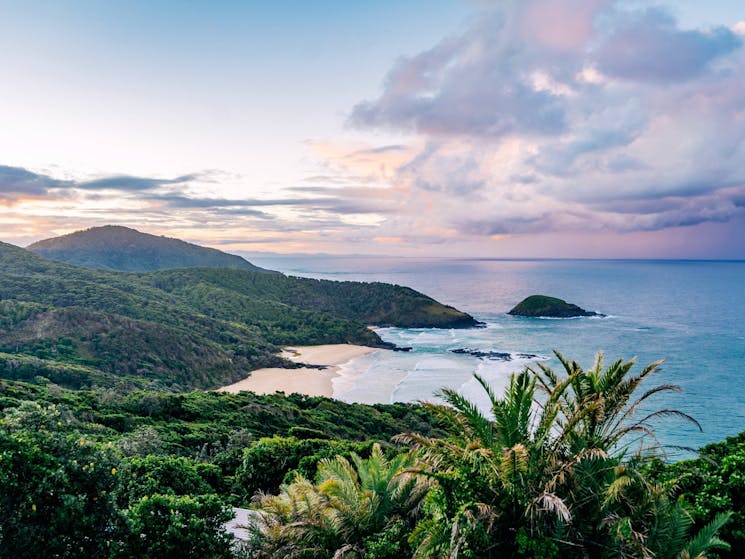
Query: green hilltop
<point x="113" y="247"/>
<point x="182" y="329"/>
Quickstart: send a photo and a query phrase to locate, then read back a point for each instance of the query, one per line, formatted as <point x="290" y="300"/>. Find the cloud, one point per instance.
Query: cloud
<point x="449" y="90"/>
<point x="17" y="182"/>
<point x="647" y="46"/>
<point x="181" y="201"/>
<point x="380" y="149"/>
<point x="174" y="204"/>
<point x="548" y="117"/>
<point x="129" y="183"/>
<point x="542" y="119"/>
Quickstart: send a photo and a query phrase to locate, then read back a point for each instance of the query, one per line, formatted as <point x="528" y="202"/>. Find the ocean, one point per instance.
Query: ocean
<point x="689" y="313"/>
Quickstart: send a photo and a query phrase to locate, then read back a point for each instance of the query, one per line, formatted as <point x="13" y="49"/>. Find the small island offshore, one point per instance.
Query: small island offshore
<point x="543" y="306"/>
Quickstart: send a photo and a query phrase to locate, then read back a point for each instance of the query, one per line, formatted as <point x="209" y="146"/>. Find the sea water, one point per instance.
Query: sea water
<point x="689" y="313"/>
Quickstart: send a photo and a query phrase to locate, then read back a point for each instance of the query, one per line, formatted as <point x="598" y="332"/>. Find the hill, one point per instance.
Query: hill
<point x="182" y="329"/>
<point x="543" y="306"/>
<point x="113" y="247"/>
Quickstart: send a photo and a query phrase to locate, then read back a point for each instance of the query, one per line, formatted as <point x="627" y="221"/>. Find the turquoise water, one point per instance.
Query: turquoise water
<point x="692" y="314"/>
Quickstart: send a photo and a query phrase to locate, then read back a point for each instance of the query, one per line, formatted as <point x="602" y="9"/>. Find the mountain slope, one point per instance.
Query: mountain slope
<point x="375" y="303"/>
<point x="114" y="247"/>
<point x="181" y="329"/>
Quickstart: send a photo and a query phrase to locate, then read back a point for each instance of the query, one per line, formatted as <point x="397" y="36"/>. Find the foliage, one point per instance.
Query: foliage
<point x="543" y="305"/>
<point x="269" y="461"/>
<point x="119" y="248"/>
<point x="357" y="508"/>
<point x="56" y="488"/>
<point x="177" y="527"/>
<point x="169" y="475"/>
<point x="147" y="474"/>
<point x="217" y="427"/>
<point x="185" y="328"/>
<point x="713" y="484"/>
<point x="550" y="475"/>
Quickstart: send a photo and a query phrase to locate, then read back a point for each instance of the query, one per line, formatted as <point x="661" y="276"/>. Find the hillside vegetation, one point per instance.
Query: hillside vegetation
<point x="182" y="329"/>
<point x="113" y="247"/>
<point x="541" y="306"/>
<point x="100" y="473"/>
<point x="151" y="474"/>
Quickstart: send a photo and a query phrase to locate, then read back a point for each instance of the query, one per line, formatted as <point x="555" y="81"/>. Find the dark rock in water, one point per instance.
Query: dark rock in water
<point x="549" y="307"/>
<point x="496" y="355"/>
<point x="391" y="346"/>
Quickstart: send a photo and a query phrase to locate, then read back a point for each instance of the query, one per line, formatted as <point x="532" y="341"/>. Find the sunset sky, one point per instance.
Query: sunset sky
<point x="523" y="128"/>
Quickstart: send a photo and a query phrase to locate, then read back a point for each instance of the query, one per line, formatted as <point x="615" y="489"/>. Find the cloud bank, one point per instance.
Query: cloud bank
<point x="549" y="123"/>
<point x="568" y="116"/>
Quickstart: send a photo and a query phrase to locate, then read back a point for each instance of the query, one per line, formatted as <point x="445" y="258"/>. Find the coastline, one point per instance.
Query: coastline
<point x="304" y="380"/>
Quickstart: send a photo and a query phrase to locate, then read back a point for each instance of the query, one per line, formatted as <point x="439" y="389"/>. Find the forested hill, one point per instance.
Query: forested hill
<point x="181" y="329"/>
<point x="114" y="247"/>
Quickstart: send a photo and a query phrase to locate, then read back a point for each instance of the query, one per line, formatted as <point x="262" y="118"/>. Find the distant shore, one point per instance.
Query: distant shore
<point x="305" y="380"/>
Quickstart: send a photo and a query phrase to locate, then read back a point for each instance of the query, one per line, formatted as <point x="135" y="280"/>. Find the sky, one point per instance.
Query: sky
<point x="511" y="128"/>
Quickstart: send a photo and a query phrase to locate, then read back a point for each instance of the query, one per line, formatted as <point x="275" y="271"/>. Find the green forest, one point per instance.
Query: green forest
<point x="113" y="247"/>
<point x="104" y="473"/>
<point x="183" y="329"/>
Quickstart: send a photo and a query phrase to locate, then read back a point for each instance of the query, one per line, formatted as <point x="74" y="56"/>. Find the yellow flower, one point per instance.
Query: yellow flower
<point x="113" y="471"/>
<point x="33" y="507"/>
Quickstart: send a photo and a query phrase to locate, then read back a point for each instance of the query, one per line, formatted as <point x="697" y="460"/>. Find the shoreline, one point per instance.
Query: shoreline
<point x="304" y="380"/>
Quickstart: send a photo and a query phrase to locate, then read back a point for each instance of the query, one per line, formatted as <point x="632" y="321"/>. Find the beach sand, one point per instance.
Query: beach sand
<point x="313" y="382"/>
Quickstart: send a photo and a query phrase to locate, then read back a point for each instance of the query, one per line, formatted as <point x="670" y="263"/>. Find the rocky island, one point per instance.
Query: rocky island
<point x="543" y="306"/>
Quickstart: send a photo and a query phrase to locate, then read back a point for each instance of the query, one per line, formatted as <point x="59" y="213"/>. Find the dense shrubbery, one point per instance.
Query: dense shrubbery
<point x="67" y="495"/>
<point x="149" y="474"/>
<point x="101" y="474"/>
<point x="268" y="461"/>
<point x="545" y="477"/>
<point x="176" y="527"/>
<point x="712" y="484"/>
<point x="358" y="508"/>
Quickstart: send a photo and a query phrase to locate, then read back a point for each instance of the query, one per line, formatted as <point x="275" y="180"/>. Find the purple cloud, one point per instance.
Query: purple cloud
<point x="540" y="118"/>
<point x="647" y="46"/>
<point x="473" y="85"/>
<point x="16" y="182"/>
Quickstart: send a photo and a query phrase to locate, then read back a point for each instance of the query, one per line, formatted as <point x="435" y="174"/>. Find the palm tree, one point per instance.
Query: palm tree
<point x="552" y="472"/>
<point x="555" y="470"/>
<point x="492" y="474"/>
<point x="354" y="505"/>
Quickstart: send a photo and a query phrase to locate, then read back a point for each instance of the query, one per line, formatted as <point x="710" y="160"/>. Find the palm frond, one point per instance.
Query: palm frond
<point x="706" y="539"/>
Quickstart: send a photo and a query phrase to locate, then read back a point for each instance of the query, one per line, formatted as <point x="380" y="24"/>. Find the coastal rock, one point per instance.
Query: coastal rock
<point x="494" y="355"/>
<point x="390" y="346"/>
<point x="542" y="306"/>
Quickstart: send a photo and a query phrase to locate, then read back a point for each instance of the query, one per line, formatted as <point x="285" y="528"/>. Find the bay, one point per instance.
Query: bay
<point x="689" y="313"/>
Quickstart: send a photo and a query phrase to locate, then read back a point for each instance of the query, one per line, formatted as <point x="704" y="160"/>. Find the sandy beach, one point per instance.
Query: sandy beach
<point x="313" y="382"/>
